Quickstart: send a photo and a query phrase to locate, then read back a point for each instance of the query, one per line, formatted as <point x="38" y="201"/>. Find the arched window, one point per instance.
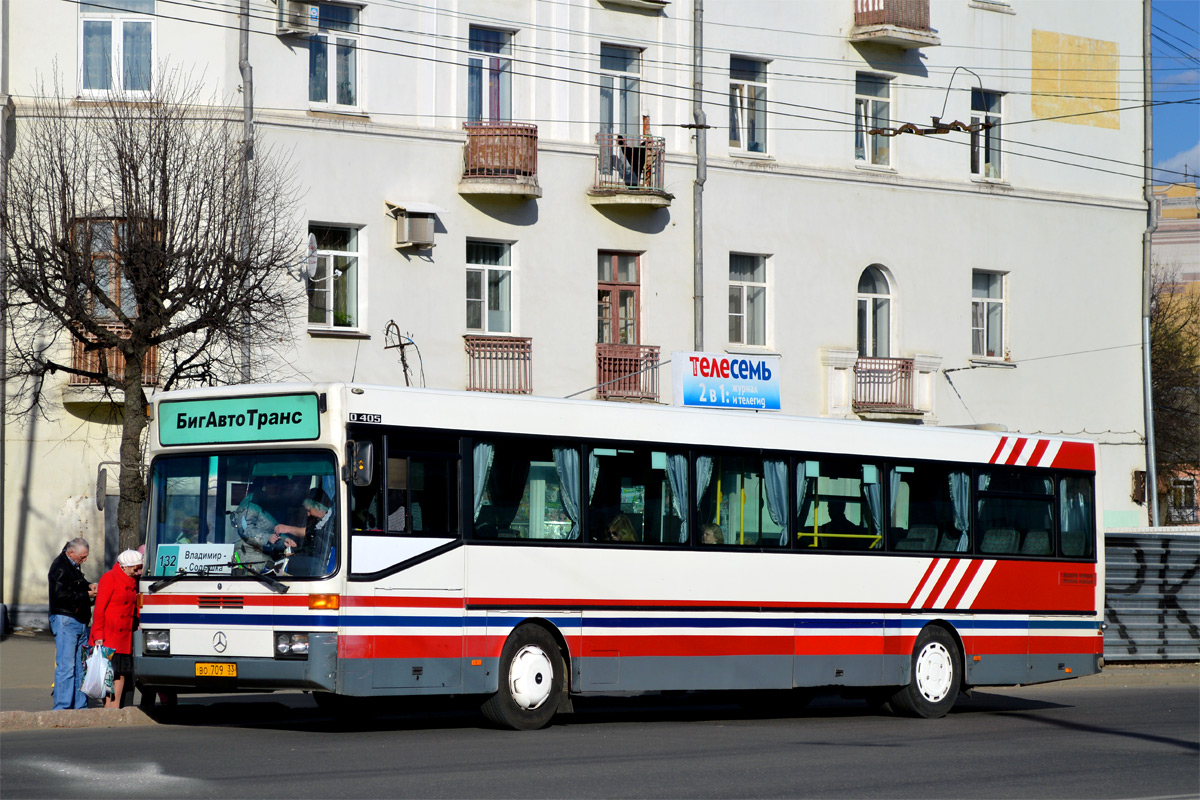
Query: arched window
<point x="874" y="314"/>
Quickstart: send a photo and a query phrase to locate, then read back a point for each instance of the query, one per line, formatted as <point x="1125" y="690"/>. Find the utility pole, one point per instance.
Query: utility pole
<point x="247" y="155"/>
<point x="701" y="127"/>
<point x="1147" y="277"/>
<point x="6" y="113"/>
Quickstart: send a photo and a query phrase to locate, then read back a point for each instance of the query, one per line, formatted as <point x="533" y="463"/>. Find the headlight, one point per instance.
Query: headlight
<point x="291" y="645"/>
<point x="157" y="642"/>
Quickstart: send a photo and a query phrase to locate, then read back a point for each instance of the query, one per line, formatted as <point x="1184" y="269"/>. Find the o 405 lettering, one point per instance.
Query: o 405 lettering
<point x="376" y="418"/>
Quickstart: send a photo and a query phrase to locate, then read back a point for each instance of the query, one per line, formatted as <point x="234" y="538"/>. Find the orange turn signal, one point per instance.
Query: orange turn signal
<point x="329" y="602"/>
<point x="476" y="662"/>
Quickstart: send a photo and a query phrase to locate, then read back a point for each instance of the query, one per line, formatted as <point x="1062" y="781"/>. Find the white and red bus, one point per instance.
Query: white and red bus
<point x="527" y="550"/>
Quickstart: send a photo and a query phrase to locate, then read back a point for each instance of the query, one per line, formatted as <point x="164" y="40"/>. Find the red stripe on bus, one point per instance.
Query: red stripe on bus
<point x="996" y="452"/>
<point x="703" y="645"/>
<point x="932" y="597"/>
<point x="1037" y="586"/>
<point x="1075" y="455"/>
<point x="1050" y="645"/>
<point x="1038" y="451"/>
<point x="928" y="570"/>
<point x="964" y="584"/>
<point x="400" y="646"/>
<point x="517" y="603"/>
<point x="1016" y="451"/>
<point x="402" y="602"/>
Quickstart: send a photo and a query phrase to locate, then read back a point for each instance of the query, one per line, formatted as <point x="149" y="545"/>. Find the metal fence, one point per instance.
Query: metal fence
<point x="1152" y="595"/>
<point x="499" y="364"/>
<point x="883" y="384"/>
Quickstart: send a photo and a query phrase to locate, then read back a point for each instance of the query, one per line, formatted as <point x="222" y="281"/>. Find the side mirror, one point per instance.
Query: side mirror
<point x="362" y="463"/>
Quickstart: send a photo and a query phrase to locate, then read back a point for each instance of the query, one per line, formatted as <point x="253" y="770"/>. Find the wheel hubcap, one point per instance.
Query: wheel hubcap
<point x="529" y="677"/>
<point x="935" y="672"/>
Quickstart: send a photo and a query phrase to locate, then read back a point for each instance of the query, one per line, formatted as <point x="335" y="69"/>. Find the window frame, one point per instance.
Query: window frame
<point x="986" y="304"/>
<point x="332" y="38"/>
<point x="116" y="20"/>
<point x="869" y="301"/>
<point x="630" y="85"/>
<point x="615" y="287"/>
<point x="866" y="146"/>
<point x="485" y="270"/>
<point x="327" y="255"/>
<point x="498" y="62"/>
<point x="744" y="287"/>
<point x="747" y="109"/>
<point x="987" y="142"/>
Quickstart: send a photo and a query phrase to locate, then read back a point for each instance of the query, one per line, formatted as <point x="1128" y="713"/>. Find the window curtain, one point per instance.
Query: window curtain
<point x="677" y="475"/>
<point x="474" y="89"/>
<point x="481" y="468"/>
<point x="593" y="475"/>
<point x="704" y="470"/>
<point x="775" y="481"/>
<point x="893" y="493"/>
<point x="873" y="494"/>
<point x="566" y="463"/>
<point x="804" y="498"/>
<point x="960" y="497"/>
<point x="508" y="480"/>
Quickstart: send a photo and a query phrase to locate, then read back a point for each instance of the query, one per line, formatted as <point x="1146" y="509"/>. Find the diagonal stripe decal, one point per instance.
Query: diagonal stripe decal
<point x="977" y="582"/>
<point x="931" y="580"/>
<point x="943" y="599"/>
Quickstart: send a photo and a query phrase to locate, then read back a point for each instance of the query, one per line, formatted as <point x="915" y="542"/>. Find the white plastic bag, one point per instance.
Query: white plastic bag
<point x="95" y="673"/>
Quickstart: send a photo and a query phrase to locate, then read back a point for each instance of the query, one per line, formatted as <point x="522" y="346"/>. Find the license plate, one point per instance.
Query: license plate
<point x="210" y="670"/>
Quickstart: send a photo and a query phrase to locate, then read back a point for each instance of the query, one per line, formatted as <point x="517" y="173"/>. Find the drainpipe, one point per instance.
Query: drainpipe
<point x="1147" y="277"/>
<point x="247" y="154"/>
<point x="701" y="175"/>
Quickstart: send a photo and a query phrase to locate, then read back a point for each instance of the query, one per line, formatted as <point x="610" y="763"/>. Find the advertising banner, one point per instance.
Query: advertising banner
<point x="725" y="380"/>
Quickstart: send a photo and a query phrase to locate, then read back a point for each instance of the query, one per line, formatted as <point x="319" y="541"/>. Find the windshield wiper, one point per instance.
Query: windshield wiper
<point x="270" y="581"/>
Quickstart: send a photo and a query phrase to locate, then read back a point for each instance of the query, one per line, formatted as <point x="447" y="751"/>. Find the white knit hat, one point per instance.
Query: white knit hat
<point x="129" y="558"/>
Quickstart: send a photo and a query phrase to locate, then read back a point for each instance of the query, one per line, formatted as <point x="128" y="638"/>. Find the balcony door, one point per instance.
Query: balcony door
<point x="874" y="314"/>
<point x="618" y="298"/>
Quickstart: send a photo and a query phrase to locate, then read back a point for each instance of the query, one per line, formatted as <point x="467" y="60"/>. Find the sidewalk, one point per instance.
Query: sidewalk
<point x="27" y="669"/>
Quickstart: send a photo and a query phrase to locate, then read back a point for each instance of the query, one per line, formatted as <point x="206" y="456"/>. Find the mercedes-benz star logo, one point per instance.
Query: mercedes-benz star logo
<point x="220" y="642"/>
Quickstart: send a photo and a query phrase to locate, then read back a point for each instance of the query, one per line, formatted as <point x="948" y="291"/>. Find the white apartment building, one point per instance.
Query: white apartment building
<point x="509" y="185"/>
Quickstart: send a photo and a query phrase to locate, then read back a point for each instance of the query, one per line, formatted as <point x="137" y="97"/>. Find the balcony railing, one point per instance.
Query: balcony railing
<point x="903" y="23"/>
<point x="502" y="154"/>
<point x="627" y="371"/>
<point x="883" y="384"/>
<point x="113" y="359"/>
<point x="629" y="164"/>
<point x="499" y="364"/>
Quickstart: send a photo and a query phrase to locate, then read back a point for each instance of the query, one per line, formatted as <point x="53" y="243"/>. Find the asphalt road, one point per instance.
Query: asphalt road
<point x="1060" y="740"/>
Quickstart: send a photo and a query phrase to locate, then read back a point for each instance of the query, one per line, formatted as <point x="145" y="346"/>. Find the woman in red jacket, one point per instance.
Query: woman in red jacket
<point x="112" y="621"/>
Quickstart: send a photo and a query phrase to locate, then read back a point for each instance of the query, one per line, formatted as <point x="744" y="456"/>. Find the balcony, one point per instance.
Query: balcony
<point x="629" y="171"/>
<point x="884" y="384"/>
<point x="82" y="358"/>
<point x="900" y="23"/>
<point x="499" y="364"/>
<point x="627" y="372"/>
<point x="500" y="158"/>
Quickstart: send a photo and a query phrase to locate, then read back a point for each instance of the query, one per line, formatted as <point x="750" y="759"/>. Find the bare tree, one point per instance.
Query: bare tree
<point x="140" y="251"/>
<point x="1175" y="370"/>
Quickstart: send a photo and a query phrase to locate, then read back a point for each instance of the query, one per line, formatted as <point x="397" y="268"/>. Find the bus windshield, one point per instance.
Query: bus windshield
<point x="243" y="514"/>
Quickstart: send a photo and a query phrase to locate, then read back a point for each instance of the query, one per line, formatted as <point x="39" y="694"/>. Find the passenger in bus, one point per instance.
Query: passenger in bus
<point x="255" y="525"/>
<point x="711" y="533"/>
<point x="620" y="529"/>
<point x="298" y="540"/>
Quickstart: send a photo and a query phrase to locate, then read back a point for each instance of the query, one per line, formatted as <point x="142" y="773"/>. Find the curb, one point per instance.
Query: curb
<point x="73" y="718"/>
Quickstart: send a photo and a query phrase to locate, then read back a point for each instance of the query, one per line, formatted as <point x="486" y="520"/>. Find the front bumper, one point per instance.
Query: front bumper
<point x="318" y="672"/>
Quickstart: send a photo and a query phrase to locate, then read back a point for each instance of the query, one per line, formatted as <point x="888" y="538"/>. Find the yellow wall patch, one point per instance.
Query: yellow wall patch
<point x="1073" y="75"/>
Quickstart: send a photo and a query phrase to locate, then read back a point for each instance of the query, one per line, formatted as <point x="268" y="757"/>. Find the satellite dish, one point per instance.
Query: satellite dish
<point x="311" y="267"/>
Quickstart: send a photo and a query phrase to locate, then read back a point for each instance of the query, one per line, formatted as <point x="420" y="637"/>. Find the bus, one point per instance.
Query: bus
<point x="356" y="540"/>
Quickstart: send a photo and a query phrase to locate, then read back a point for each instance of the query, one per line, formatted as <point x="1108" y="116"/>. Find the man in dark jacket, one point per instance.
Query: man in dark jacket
<point x="71" y="599"/>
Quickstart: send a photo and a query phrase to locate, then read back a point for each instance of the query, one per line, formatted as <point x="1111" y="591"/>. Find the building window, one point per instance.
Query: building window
<point x="103" y="241"/>
<point x="872" y="109"/>
<point x="116" y="47"/>
<point x="874" y="314"/>
<point x="747" y="105"/>
<point x="489" y="76"/>
<point x="333" y="291"/>
<point x="1181" y="500"/>
<point x="747" y="299"/>
<point x="987" y="314"/>
<point x="617" y="298"/>
<point x="985" y="144"/>
<point x="333" y="57"/>
<point x="620" y="92"/>
<point x="489" y="287"/>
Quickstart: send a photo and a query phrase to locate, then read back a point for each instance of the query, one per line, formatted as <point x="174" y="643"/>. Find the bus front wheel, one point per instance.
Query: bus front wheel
<point x="531" y="680"/>
<point x="936" y="674"/>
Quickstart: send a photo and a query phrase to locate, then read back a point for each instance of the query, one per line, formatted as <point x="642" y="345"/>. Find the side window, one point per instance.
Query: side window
<point x="985" y="143"/>
<point x="747" y="299"/>
<point x="741" y="500"/>
<point x="525" y="489"/>
<point x="489" y="287"/>
<point x="1076" y="517"/>
<point x="839" y="505"/>
<point x="747" y="105"/>
<point x="930" y="508"/>
<point x="1015" y="513"/>
<point x="489" y="75"/>
<point x="116" y="47"/>
<point x="872" y="111"/>
<point x="987" y="315"/>
<point x="365" y="511"/>
<point x="637" y="495"/>
<point x="422" y="485"/>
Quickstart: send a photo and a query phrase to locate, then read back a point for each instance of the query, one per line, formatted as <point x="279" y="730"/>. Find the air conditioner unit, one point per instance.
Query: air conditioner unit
<point x="414" y="230"/>
<point x="297" y="18"/>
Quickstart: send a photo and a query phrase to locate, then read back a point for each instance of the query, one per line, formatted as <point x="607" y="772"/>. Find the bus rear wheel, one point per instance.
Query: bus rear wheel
<point x="935" y="679"/>
<point x="531" y="681"/>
